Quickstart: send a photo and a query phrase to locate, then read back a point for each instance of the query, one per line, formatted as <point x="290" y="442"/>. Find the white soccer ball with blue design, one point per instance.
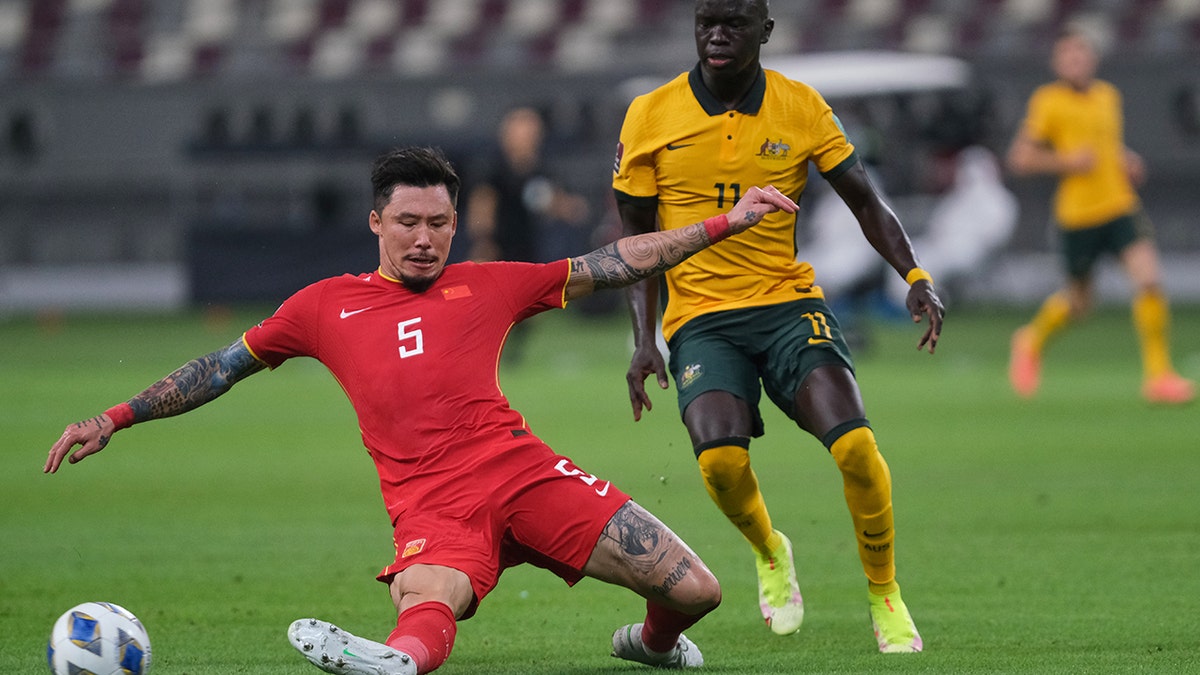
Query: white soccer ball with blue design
<point x="98" y="638"/>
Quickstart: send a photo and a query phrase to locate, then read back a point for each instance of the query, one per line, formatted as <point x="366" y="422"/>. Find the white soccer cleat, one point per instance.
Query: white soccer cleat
<point x="333" y="650"/>
<point x="627" y="644"/>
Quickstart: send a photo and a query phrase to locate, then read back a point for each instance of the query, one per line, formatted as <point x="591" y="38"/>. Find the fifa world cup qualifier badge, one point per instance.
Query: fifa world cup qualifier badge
<point x="691" y="373"/>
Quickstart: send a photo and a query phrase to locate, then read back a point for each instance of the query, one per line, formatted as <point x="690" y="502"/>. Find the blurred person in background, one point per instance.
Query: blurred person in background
<point x="748" y="310"/>
<point x="469" y="489"/>
<point x="516" y="210"/>
<point x="515" y="204"/>
<point x="1074" y="130"/>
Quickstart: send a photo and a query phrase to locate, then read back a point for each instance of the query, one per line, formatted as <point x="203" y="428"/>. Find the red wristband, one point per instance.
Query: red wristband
<point x="717" y="228"/>
<point x="121" y="416"/>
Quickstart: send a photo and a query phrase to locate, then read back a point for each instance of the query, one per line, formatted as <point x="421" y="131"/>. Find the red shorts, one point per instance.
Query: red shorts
<point x="523" y="505"/>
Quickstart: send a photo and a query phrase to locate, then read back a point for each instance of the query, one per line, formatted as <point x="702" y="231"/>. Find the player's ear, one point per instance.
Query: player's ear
<point x="375" y="222"/>
<point x="768" y="26"/>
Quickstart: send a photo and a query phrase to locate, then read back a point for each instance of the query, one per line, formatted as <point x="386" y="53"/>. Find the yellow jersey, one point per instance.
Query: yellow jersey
<point x="682" y="150"/>
<point x="1069" y="120"/>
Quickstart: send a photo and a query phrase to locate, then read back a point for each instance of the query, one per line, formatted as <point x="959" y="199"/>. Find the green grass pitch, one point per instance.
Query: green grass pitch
<point x="1055" y="535"/>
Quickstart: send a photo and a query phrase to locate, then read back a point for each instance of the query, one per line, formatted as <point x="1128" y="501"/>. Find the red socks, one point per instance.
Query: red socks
<point x="426" y="633"/>
<point x="662" y="627"/>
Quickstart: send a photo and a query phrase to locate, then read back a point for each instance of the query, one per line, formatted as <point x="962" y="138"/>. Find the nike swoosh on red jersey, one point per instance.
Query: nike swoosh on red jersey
<point x="345" y="314"/>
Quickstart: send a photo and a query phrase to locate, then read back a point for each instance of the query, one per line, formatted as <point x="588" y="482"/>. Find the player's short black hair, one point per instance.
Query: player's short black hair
<point x="763" y="6"/>
<point x="412" y="167"/>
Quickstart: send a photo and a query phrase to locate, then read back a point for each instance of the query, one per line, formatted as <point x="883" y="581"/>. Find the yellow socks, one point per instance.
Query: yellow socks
<point x="1051" y="317"/>
<point x="1152" y="319"/>
<point x="734" y="488"/>
<point x="866" y="481"/>
<point x="868" y="487"/>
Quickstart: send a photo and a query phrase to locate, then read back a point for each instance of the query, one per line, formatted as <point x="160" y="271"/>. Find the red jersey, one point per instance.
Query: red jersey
<point x="420" y="369"/>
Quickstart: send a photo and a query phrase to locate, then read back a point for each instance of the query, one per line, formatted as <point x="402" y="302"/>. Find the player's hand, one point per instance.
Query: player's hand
<point x="1135" y="167"/>
<point x="646" y="360"/>
<point x="91" y="435"/>
<point x="922" y="301"/>
<point x="756" y="204"/>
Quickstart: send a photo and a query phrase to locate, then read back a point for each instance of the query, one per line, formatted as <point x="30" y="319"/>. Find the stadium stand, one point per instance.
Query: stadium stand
<point x="180" y="39"/>
<point x="131" y="129"/>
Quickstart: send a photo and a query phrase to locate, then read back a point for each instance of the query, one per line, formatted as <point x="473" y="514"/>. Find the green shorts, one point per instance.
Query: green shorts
<point x="1082" y="248"/>
<point x="734" y="350"/>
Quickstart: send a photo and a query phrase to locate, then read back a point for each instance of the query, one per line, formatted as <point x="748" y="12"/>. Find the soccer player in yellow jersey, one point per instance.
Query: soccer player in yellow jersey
<point x="747" y="310"/>
<point x="1074" y="130"/>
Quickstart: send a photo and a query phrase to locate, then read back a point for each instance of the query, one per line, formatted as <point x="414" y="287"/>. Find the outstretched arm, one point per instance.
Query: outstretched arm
<point x="195" y="383"/>
<point x="631" y="259"/>
<point x="883" y="229"/>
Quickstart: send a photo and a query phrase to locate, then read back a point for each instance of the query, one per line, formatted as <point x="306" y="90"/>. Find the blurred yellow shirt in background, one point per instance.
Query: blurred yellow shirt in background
<point x="1069" y="120"/>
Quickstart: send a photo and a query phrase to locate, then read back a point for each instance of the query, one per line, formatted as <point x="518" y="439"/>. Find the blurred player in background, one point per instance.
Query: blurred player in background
<point x="747" y="310"/>
<point x="1074" y="129"/>
<point x="469" y="489"/>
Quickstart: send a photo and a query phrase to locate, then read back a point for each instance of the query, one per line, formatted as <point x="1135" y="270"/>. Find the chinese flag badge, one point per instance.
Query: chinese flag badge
<point x="456" y="292"/>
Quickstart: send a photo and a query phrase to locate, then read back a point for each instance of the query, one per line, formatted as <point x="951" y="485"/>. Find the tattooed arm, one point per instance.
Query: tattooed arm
<point x="195" y="383"/>
<point x="631" y="259"/>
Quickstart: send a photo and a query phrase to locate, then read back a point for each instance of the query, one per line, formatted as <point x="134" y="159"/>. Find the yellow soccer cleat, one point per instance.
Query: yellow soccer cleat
<point x="778" y="593"/>
<point x="894" y="628"/>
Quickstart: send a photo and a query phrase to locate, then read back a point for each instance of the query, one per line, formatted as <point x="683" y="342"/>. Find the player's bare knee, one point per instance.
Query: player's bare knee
<point x="432" y="583"/>
<point x="687" y="585"/>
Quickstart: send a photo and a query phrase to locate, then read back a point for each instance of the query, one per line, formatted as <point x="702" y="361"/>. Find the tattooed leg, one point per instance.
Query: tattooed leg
<point x="640" y="553"/>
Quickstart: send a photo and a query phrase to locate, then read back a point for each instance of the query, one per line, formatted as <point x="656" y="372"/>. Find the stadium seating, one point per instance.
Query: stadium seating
<point x="170" y="40"/>
<point x="130" y="130"/>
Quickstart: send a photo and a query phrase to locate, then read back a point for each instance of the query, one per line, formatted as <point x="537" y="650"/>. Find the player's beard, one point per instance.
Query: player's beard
<point x="418" y="284"/>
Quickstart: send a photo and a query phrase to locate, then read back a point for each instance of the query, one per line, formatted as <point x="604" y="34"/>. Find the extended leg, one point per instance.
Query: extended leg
<point x="720" y="427"/>
<point x="1152" y="320"/>
<point x="640" y="553"/>
<point x="427" y="597"/>
<point x="830" y="407"/>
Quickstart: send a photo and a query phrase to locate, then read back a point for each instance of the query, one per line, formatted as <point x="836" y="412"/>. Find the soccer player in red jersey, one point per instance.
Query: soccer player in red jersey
<point x="469" y="488"/>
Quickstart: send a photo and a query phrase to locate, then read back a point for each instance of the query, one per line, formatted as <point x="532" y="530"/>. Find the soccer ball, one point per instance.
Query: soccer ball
<point x="98" y="638"/>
